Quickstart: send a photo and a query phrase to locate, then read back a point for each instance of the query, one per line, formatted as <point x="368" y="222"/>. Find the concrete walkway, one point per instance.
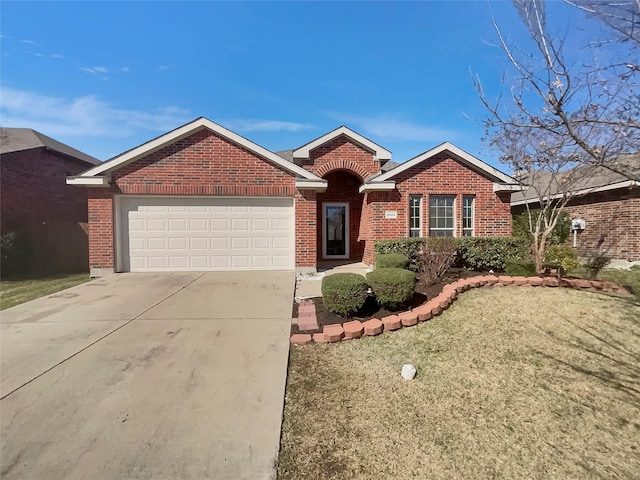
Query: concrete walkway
<point x="173" y="376"/>
<point x="309" y="286"/>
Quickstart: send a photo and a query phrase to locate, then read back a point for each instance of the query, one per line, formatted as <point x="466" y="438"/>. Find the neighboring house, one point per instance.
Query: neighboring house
<point x="204" y="198"/>
<point x="608" y="202"/>
<point x="35" y="199"/>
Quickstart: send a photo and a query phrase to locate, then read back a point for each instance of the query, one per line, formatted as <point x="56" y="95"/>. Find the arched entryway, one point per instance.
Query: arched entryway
<point x="339" y="212"/>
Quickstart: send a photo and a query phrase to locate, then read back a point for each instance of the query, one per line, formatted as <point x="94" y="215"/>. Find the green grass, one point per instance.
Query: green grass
<point x="628" y="278"/>
<point x="20" y="290"/>
<point x="534" y="383"/>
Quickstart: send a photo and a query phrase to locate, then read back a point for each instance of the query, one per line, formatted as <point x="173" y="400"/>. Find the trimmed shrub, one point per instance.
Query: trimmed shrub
<point x="344" y="293"/>
<point x="562" y="257"/>
<point x="595" y="262"/>
<point x="14" y="254"/>
<point x="392" y="260"/>
<point x="520" y="269"/>
<point x="436" y="257"/>
<point x="491" y="253"/>
<point x="560" y="233"/>
<point x="409" y="247"/>
<point x="392" y="286"/>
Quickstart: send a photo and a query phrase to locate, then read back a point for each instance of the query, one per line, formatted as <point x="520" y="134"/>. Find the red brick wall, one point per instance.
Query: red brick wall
<point x="342" y="154"/>
<point x="613" y="217"/>
<point x="34" y="188"/>
<point x="101" y="251"/>
<point x="439" y="175"/>
<point x="343" y="187"/>
<point x="201" y="164"/>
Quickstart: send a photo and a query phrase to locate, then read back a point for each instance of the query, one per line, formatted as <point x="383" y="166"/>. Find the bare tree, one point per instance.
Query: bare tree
<point x="561" y="119"/>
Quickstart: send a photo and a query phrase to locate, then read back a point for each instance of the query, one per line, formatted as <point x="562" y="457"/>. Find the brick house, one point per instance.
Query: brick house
<point x="609" y="203"/>
<point x="204" y="198"/>
<point x="35" y="199"/>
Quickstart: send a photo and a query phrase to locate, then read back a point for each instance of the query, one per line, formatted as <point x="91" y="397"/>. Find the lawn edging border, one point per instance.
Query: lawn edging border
<point x="354" y="329"/>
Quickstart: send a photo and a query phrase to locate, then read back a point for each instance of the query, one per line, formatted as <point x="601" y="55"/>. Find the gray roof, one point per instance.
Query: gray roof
<point x="20" y="139"/>
<point x="286" y="154"/>
<point x="582" y="178"/>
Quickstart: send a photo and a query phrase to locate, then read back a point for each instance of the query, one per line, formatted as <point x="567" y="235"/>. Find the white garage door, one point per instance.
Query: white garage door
<point x="205" y="233"/>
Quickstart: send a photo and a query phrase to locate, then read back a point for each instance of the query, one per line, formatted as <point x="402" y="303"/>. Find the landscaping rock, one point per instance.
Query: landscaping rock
<point x="352" y="329"/>
<point x="408" y="319"/>
<point x="391" y="322"/>
<point x="333" y="333"/>
<point x="536" y="281"/>
<point x="424" y="312"/>
<point x="300" y="338"/>
<point x="372" y="327"/>
<point x="506" y="280"/>
<point x="320" y="338"/>
<point x="551" y="282"/>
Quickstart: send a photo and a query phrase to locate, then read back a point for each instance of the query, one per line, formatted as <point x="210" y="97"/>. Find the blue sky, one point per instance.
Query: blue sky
<point x="104" y="77"/>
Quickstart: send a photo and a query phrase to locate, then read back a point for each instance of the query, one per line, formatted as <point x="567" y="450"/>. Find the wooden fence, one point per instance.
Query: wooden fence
<point x="57" y="246"/>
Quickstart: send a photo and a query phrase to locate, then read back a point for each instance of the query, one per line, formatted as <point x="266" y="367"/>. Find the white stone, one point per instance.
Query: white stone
<point x="408" y="371"/>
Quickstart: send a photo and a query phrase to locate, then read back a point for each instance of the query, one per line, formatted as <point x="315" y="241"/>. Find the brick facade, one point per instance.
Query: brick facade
<point x="34" y="188"/>
<point x="440" y="175"/>
<point x="206" y="163"/>
<point x="612" y="220"/>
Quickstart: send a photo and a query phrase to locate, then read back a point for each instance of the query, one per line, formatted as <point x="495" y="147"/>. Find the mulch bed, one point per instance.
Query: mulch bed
<point x="373" y="310"/>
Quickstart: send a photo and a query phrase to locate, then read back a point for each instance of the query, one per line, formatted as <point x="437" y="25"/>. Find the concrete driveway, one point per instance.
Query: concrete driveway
<point x="163" y="376"/>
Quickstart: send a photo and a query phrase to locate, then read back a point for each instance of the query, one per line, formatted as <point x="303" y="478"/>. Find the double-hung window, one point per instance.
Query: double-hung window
<point x="441" y="215"/>
<point x="467" y="216"/>
<point x="415" y="215"/>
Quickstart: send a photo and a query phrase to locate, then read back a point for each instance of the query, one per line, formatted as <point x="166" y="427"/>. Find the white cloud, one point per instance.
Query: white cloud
<point x="266" y="126"/>
<point x="162" y="68"/>
<point x="86" y="116"/>
<point x="37" y="54"/>
<point x="94" y="70"/>
<point x="56" y="55"/>
<point x="28" y="42"/>
<point x="124" y="69"/>
<point x="393" y="127"/>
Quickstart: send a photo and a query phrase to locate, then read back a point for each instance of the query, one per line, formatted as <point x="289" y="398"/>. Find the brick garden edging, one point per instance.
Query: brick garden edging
<point x="355" y="329"/>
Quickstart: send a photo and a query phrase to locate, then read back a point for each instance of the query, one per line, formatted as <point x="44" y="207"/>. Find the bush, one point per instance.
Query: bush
<point x="596" y="261"/>
<point x="409" y="247"/>
<point x="391" y="260"/>
<point x="561" y="257"/>
<point x="344" y="293"/>
<point x="14" y="254"/>
<point x="392" y="286"/>
<point x="436" y="257"/>
<point x="491" y="253"/>
<point x="520" y="269"/>
<point x="560" y="233"/>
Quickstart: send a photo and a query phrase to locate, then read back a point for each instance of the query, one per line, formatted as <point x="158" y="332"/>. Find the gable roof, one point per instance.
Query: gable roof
<point x="380" y="153"/>
<point x="21" y="139"/>
<point x="583" y="179"/>
<point x="184" y="131"/>
<point x="460" y="155"/>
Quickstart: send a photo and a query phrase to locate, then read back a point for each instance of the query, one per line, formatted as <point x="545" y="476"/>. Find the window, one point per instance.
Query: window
<point x="415" y="215"/>
<point x="441" y="216"/>
<point x="467" y="216"/>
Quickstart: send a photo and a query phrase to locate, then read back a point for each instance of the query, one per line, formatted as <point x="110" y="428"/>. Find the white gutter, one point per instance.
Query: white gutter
<point x="302" y="184"/>
<point x="89" y="181"/>
<point x="507" y="187"/>
<point x="377" y="187"/>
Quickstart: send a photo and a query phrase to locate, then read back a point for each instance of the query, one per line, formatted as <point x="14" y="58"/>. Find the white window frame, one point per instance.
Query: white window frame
<point x="411" y="215"/>
<point x="453" y="209"/>
<point x="472" y="207"/>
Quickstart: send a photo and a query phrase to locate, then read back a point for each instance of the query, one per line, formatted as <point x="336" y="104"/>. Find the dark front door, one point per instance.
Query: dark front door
<point x="335" y="233"/>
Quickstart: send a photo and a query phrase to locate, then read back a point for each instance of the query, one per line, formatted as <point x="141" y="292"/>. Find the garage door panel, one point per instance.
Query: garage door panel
<point x="206" y="233"/>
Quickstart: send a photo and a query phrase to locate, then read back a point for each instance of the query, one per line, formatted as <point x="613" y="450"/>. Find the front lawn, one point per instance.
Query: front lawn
<point x="20" y="290"/>
<point x="512" y="383"/>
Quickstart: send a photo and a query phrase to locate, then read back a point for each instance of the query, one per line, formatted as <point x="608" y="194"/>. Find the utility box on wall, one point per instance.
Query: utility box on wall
<point x="578" y="224"/>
